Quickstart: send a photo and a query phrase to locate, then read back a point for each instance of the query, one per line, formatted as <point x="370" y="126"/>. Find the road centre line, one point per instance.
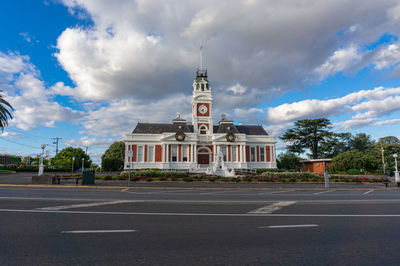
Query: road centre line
<point x="202" y="214"/>
<point x="215" y="192"/>
<point x="369" y="191"/>
<point x="96" y="231"/>
<point x="289" y="226"/>
<point x="85" y="205"/>
<point x="322" y="192"/>
<point x="272" y="207"/>
<point x="275" y="192"/>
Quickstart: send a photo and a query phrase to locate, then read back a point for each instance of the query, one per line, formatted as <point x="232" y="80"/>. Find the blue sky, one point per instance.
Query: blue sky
<point x="87" y="71"/>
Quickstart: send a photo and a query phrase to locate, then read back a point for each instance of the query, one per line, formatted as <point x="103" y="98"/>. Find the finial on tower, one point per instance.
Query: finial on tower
<point x="201" y="56"/>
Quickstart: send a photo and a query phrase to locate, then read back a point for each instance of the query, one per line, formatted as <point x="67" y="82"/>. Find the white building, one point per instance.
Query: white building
<point x="191" y="146"/>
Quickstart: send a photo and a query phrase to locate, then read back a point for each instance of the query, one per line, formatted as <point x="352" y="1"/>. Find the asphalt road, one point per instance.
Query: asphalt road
<point x="189" y="226"/>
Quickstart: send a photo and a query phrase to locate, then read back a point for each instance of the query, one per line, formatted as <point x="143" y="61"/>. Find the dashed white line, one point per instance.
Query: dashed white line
<point x="273" y="207"/>
<point x="289" y="226"/>
<point x="85" y="205"/>
<point x="369" y="191"/>
<point x="275" y="192"/>
<point x="322" y="192"/>
<point x="96" y="231"/>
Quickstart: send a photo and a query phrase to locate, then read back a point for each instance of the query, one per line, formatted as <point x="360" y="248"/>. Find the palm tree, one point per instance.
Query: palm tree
<point x="4" y="113"/>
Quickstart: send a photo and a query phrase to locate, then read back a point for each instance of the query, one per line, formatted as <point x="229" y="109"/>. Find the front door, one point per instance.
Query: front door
<point x="203" y="159"/>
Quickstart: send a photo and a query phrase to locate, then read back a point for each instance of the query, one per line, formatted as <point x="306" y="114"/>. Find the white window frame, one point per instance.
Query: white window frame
<point x="140" y="156"/>
<point x="174" y="146"/>
<point x="262" y="154"/>
<point x="234" y="153"/>
<point x="150" y="158"/>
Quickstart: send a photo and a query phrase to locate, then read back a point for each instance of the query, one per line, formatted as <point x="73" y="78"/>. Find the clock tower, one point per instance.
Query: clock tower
<point x="202" y="104"/>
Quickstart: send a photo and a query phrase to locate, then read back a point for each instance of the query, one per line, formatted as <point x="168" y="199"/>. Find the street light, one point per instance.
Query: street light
<point x="41" y="167"/>
<point x="396" y="171"/>
<point x="73" y="160"/>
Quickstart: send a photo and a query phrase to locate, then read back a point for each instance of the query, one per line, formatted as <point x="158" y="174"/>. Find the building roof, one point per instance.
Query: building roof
<point x="154" y="128"/>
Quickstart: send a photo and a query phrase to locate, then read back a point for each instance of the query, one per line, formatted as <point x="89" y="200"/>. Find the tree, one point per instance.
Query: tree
<point x="335" y="144"/>
<point x="4" y="112"/>
<point x="388" y="140"/>
<point x="64" y="158"/>
<point x="361" y="142"/>
<point x="308" y="134"/>
<point x="356" y="160"/>
<point x="113" y="157"/>
<point x="288" y="161"/>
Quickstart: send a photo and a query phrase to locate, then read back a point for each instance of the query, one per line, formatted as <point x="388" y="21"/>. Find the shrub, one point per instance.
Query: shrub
<point x="108" y="177"/>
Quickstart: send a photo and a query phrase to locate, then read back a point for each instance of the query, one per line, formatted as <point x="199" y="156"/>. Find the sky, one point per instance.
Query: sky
<point x="87" y="71"/>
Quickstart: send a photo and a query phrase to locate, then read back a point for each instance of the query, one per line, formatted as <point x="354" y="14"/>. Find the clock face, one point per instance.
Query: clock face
<point x="203" y="109"/>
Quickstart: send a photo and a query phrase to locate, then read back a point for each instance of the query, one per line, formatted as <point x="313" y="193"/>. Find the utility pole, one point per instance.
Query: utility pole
<point x="56" y="142"/>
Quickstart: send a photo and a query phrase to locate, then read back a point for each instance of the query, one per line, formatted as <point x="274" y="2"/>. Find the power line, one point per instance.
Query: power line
<point x="20" y="143"/>
<point x="25" y="133"/>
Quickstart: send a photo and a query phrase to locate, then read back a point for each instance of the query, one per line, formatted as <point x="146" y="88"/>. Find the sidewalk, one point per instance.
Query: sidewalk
<point x="26" y="179"/>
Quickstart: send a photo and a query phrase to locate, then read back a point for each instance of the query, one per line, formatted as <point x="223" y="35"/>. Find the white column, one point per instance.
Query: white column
<point x="244" y="154"/>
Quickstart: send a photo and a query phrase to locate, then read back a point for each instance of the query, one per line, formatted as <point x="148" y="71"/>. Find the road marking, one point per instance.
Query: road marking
<point x="97" y="231"/>
<point x="275" y="192"/>
<point x="289" y="226"/>
<point x="322" y="192"/>
<point x="369" y="191"/>
<point x="84" y="205"/>
<point x="215" y="192"/>
<point x="273" y="207"/>
<point x="202" y="214"/>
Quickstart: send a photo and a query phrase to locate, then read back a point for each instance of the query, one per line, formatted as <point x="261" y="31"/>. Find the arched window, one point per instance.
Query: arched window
<point x="203" y="130"/>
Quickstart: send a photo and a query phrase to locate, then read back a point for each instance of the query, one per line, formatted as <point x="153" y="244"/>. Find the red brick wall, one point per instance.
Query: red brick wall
<point x="229" y="153"/>
<point x="268" y="152"/>
<point x="179" y="152"/>
<point x="134" y="147"/>
<point x="247" y="154"/>
<point x="258" y="153"/>
<point x="158" y="154"/>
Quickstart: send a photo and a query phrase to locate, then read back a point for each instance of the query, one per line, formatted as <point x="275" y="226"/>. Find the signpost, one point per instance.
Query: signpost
<point x="396" y="171"/>
<point x="326" y="178"/>
<point x="130" y="154"/>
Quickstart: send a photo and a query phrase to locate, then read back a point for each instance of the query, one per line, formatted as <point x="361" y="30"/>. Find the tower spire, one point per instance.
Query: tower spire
<point x="201" y="56"/>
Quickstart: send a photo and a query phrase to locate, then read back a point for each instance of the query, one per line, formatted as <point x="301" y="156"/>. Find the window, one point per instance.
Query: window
<point x="151" y="154"/>
<point x="140" y="154"/>
<point x="174" y="153"/>
<point x="223" y="150"/>
<point x="262" y="156"/>
<point x="202" y="87"/>
<point x="185" y="153"/>
<point x="252" y="154"/>
<point x="234" y="150"/>
<point x="207" y="86"/>
<point x="203" y="130"/>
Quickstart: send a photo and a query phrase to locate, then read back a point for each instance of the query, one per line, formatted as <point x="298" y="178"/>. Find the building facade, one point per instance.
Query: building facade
<point x="195" y="146"/>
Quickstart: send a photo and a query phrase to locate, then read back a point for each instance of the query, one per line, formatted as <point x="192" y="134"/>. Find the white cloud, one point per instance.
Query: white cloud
<point x="11" y="135"/>
<point x="387" y="56"/>
<point x="121" y="116"/>
<point x="32" y="102"/>
<point x="130" y="52"/>
<point x="387" y="122"/>
<point x="91" y="143"/>
<point x="341" y="60"/>
<point x="376" y="101"/>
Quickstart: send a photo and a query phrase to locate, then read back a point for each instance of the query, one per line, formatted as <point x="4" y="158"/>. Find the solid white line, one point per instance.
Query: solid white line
<point x="322" y="192"/>
<point x="85" y="205"/>
<point x="273" y="207"/>
<point x="200" y="214"/>
<point x="369" y="191"/>
<point x="97" y="231"/>
<point x="289" y="226"/>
